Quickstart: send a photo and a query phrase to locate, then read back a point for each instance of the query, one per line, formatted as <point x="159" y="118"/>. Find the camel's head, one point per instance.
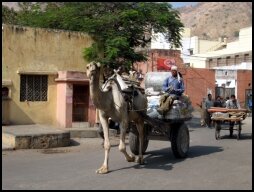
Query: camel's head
<point x="92" y="68"/>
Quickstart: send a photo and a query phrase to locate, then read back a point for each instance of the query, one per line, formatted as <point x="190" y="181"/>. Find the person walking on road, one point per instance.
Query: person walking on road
<point x="203" y="112"/>
<point x="232" y="104"/>
<point x="208" y="104"/>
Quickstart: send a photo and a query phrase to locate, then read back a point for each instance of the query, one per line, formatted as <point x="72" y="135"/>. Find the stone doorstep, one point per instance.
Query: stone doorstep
<point x="88" y="132"/>
<point x="37" y="141"/>
<point x="8" y="139"/>
<point x="6" y="147"/>
<point x="50" y="140"/>
<point x="81" y="125"/>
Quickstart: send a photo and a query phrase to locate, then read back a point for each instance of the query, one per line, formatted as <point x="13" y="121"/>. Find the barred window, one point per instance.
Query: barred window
<point x="246" y="58"/>
<point x="33" y="87"/>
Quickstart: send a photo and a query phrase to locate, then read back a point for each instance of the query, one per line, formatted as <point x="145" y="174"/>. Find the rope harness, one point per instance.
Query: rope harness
<point x="128" y="96"/>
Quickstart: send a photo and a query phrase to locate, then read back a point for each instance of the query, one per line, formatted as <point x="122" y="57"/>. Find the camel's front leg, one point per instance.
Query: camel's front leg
<point x="122" y="146"/>
<point x="140" y="127"/>
<point x="104" y="122"/>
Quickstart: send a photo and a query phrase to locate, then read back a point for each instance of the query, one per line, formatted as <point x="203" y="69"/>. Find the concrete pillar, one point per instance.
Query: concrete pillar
<point x="64" y="104"/>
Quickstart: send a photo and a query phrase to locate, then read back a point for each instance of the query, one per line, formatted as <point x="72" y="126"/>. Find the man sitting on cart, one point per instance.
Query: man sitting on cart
<point x="232" y="104"/>
<point x="174" y="87"/>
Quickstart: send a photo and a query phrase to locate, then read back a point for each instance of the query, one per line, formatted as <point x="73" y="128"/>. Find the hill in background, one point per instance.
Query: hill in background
<point x="211" y="20"/>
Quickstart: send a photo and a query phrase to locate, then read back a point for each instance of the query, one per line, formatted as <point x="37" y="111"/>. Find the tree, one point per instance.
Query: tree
<point x="9" y="16"/>
<point x="117" y="28"/>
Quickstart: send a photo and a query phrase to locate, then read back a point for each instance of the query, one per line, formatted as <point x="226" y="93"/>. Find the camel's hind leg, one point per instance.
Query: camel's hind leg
<point x="104" y="123"/>
<point x="122" y="146"/>
<point x="140" y="127"/>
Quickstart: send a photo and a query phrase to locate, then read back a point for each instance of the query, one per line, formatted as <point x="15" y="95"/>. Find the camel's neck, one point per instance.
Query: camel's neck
<point x="96" y="93"/>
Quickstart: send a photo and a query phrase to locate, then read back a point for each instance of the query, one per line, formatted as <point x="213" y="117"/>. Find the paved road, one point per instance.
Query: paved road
<point x="212" y="164"/>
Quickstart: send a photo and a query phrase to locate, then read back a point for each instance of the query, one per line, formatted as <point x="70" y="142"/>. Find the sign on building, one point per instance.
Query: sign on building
<point x="165" y="63"/>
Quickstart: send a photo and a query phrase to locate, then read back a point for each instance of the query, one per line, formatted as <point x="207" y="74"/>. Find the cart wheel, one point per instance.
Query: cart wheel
<point x="180" y="140"/>
<point x="217" y="130"/>
<point x="134" y="140"/>
<point x="239" y="130"/>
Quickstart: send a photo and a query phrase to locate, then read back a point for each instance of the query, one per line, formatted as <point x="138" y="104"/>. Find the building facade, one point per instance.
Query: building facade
<point x="215" y="67"/>
<point x="43" y="77"/>
<point x="237" y="53"/>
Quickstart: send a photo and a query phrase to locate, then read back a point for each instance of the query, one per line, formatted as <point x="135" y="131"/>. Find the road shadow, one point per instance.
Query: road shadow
<point x="159" y="159"/>
<point x="196" y="151"/>
<point x="164" y="158"/>
<point x="73" y="143"/>
<point x="243" y="136"/>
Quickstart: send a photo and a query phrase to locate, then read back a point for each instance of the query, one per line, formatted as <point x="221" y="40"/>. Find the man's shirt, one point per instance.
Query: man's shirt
<point x="178" y="86"/>
<point x="233" y="104"/>
<point x="209" y="103"/>
<point x="218" y="103"/>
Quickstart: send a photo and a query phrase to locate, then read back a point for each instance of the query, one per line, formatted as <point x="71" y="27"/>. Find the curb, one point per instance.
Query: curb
<point x="7" y="148"/>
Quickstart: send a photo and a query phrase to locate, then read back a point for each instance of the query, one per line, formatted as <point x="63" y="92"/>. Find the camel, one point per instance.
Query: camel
<point x="110" y="102"/>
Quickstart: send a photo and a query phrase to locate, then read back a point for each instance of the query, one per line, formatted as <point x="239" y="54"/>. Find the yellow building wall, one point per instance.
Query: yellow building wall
<point x="245" y="38"/>
<point x="205" y="45"/>
<point x="186" y="32"/>
<point x="244" y="42"/>
<point x="197" y="62"/>
<point x="28" y="50"/>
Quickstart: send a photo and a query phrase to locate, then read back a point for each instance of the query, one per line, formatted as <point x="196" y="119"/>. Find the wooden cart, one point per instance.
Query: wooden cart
<point x="175" y="131"/>
<point x="218" y="126"/>
<point x="218" y="121"/>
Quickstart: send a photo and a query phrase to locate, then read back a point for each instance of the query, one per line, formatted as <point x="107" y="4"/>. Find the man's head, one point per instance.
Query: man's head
<point x="232" y="97"/>
<point x="209" y="96"/>
<point x="218" y="98"/>
<point x="174" y="71"/>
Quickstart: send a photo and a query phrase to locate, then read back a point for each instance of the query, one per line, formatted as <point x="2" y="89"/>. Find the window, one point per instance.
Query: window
<point x="191" y="51"/>
<point x="237" y="59"/>
<point x="219" y="62"/>
<point x="228" y="60"/>
<point x="246" y="58"/>
<point x="33" y="87"/>
<point x="211" y="63"/>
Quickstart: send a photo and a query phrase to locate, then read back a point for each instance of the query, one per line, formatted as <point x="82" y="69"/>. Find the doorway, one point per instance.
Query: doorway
<point x="80" y="103"/>
<point x="224" y="92"/>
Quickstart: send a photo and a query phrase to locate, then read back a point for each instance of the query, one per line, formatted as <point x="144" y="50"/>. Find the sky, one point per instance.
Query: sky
<point x="181" y="4"/>
<point x="174" y="4"/>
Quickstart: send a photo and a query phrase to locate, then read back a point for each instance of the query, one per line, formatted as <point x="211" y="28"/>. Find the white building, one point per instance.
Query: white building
<point x="199" y="53"/>
<point x="226" y="58"/>
<point x="235" y="55"/>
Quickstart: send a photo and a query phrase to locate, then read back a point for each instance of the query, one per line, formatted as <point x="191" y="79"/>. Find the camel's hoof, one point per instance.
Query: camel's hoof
<point x="140" y="161"/>
<point x="102" y="170"/>
<point x="131" y="159"/>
